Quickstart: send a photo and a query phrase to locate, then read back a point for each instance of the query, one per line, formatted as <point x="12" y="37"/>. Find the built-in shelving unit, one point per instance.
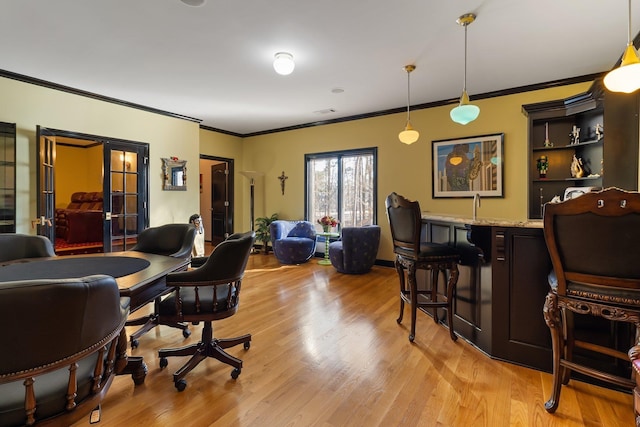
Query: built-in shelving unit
<point x="7" y="177"/>
<point x="610" y="157"/>
<point x="551" y="129"/>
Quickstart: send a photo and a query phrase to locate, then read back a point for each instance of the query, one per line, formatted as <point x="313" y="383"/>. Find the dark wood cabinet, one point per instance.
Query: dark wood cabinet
<point x="520" y="266"/>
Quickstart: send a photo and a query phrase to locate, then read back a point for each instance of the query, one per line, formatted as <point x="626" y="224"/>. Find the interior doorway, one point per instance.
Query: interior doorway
<point x="216" y="197"/>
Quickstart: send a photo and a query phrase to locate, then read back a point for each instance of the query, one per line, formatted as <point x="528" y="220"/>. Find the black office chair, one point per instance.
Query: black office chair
<point x="208" y="293"/>
<point x="405" y="219"/>
<point x="17" y="246"/>
<point x="592" y="241"/>
<point x="175" y="240"/>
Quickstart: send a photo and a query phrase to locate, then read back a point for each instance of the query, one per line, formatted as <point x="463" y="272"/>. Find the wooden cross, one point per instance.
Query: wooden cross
<point x="282" y="178"/>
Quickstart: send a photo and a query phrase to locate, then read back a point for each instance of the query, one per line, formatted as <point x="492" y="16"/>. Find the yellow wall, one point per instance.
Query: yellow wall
<point x="29" y="105"/>
<point x="401" y="168"/>
<point x="77" y="169"/>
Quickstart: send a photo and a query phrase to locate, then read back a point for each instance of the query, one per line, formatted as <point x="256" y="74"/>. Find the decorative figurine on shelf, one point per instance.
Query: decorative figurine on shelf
<point x="577" y="170"/>
<point x="543" y="166"/>
<point x="574" y="136"/>
<point x="547" y="143"/>
<point x="599" y="131"/>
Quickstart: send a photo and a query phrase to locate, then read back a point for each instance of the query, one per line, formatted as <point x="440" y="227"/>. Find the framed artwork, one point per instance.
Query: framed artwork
<point x="466" y="166"/>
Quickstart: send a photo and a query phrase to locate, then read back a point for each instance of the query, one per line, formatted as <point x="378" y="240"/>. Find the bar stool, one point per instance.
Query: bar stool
<point x="405" y="220"/>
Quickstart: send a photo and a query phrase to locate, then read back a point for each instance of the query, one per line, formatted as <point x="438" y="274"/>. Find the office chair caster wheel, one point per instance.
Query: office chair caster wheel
<point x="135" y="343"/>
<point x="186" y="333"/>
<point x="235" y="373"/>
<point x="163" y="362"/>
<point x="247" y="345"/>
<point x="181" y="385"/>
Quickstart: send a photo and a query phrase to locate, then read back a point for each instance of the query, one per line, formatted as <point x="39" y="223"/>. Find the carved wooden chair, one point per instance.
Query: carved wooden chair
<point x="59" y="359"/>
<point x="405" y="219"/>
<point x="210" y="292"/>
<point x="175" y="240"/>
<point x="592" y="241"/>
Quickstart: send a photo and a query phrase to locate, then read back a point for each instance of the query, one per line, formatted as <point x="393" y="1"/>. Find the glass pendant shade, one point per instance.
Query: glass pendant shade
<point x="283" y="63"/>
<point x="625" y="78"/>
<point x="409" y="135"/>
<point x="465" y="112"/>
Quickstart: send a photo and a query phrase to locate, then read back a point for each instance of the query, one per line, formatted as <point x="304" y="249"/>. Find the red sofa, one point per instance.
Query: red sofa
<point x="81" y="221"/>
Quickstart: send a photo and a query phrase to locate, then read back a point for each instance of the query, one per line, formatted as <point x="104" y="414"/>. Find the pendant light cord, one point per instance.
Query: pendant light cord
<point x="464" y="83"/>
<point x="408" y="95"/>
<point x="629" y="25"/>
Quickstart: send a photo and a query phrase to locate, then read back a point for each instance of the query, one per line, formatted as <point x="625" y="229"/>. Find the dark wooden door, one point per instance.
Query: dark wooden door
<point x="46" y="184"/>
<point x="125" y="193"/>
<point x="219" y="202"/>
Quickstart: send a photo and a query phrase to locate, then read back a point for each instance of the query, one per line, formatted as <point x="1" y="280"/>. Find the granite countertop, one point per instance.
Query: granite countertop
<point x="497" y="222"/>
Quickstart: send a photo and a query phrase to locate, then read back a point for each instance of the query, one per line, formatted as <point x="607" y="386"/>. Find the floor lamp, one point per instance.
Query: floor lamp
<point x="252" y="175"/>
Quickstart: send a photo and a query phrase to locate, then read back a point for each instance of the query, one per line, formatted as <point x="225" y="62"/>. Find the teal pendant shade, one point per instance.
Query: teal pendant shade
<point x="464" y="114"/>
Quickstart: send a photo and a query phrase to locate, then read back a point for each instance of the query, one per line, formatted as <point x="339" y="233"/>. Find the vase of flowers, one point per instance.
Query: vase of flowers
<point x="328" y="222"/>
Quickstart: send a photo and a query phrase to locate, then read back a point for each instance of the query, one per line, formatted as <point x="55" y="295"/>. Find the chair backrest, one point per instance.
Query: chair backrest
<point x="405" y="220"/>
<point x="174" y="240"/>
<point x="282" y="228"/>
<point x="593" y="240"/>
<point x="60" y="361"/>
<point x="17" y="246"/>
<point x="226" y="263"/>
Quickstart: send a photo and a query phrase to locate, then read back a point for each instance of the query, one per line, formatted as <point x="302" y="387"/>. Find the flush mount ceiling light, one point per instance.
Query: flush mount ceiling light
<point x="283" y="63"/>
<point x="194" y="3"/>
<point x="409" y="135"/>
<point x="465" y="113"/>
<point x="625" y="78"/>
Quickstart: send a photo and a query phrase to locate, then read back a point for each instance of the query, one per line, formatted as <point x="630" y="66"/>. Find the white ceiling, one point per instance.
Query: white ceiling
<point x="214" y="62"/>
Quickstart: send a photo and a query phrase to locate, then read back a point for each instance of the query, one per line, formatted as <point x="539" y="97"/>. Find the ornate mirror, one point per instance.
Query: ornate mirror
<point x="174" y="172"/>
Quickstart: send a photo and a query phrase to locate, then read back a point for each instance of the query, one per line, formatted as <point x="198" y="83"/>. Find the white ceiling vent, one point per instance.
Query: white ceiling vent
<point x="325" y="111"/>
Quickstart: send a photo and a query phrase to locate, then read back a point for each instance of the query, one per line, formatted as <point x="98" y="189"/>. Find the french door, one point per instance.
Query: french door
<point x="125" y="186"/>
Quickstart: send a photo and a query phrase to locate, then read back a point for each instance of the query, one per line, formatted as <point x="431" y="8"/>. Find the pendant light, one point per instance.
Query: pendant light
<point x="625" y="78"/>
<point x="409" y="135"/>
<point x="465" y="112"/>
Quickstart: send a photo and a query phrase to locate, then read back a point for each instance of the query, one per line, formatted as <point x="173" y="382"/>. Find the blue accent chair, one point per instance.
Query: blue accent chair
<point x="294" y="242"/>
<point x="355" y="252"/>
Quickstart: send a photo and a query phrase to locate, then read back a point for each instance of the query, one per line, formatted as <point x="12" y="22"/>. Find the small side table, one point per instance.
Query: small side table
<point x="326" y="235"/>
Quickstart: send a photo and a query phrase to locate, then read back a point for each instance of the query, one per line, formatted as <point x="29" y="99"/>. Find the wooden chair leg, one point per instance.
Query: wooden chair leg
<point x="413" y="288"/>
<point x="451" y="285"/>
<point x="554" y="322"/>
<point x="435" y="275"/>
<point x="400" y="271"/>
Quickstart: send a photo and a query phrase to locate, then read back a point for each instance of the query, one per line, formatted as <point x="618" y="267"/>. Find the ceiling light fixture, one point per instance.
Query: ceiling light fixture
<point x="409" y="135"/>
<point x="625" y="78"/>
<point x="194" y="3"/>
<point x="465" y="112"/>
<point x="283" y="63"/>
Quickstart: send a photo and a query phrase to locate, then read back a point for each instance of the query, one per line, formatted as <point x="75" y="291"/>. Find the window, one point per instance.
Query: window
<point x="343" y="185"/>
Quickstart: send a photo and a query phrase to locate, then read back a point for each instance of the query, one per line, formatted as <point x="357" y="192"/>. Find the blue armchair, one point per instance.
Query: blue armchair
<point x="355" y="252"/>
<point x="294" y="242"/>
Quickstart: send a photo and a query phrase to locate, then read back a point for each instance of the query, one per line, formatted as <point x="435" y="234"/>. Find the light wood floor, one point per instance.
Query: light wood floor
<point x="327" y="351"/>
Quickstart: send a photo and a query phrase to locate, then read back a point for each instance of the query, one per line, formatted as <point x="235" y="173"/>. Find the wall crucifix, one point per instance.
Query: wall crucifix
<point x="282" y="178"/>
